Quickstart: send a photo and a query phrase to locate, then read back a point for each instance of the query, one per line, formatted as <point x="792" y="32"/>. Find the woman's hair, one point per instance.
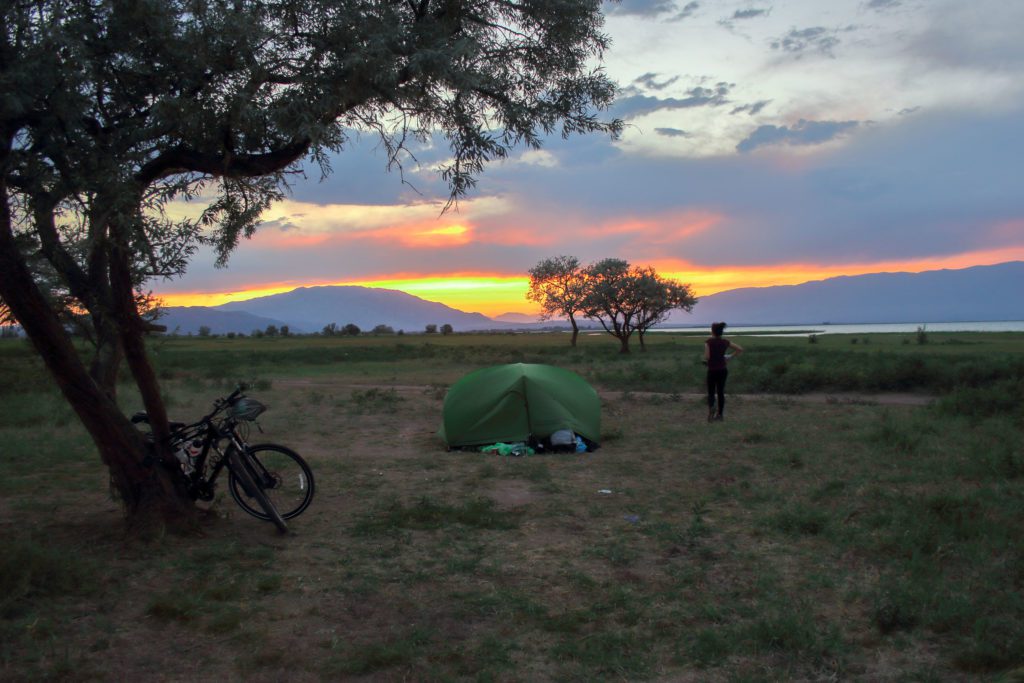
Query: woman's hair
<point x="717" y="329"/>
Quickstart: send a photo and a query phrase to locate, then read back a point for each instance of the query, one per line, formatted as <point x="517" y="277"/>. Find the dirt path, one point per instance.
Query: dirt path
<point x="814" y="397"/>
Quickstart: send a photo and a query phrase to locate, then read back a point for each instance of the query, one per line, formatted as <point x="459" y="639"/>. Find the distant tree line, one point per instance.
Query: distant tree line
<point x="329" y="330"/>
<point x="624" y="299"/>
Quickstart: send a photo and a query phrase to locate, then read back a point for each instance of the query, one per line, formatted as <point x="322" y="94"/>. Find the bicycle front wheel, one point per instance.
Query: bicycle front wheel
<point x="286" y="479"/>
<point x="248" y="491"/>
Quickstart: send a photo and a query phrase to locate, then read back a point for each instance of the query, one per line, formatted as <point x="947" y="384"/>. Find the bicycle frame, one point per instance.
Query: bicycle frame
<point x="210" y="433"/>
<point x="201" y="471"/>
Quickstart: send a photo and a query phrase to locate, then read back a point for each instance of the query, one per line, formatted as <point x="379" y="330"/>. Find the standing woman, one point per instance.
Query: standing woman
<point x="715" y="356"/>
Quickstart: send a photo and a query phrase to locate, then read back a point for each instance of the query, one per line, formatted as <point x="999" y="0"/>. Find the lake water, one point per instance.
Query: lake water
<point x="805" y="330"/>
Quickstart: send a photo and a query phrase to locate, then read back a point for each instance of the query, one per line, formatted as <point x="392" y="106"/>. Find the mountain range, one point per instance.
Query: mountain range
<point x="310" y="309"/>
<point x="980" y="293"/>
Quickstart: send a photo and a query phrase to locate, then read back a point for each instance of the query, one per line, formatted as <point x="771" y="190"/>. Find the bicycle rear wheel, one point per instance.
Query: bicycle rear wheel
<point x="248" y="490"/>
<point x="286" y="478"/>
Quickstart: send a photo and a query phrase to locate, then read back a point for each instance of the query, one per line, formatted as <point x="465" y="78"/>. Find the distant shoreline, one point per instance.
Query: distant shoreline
<point x="859" y="328"/>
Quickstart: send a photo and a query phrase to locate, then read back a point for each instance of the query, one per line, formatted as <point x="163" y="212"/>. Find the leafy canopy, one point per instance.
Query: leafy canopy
<point x="624" y="299"/>
<point x="113" y="108"/>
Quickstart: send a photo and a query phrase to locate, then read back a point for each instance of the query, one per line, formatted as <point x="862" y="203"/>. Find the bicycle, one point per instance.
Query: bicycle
<point x="268" y="481"/>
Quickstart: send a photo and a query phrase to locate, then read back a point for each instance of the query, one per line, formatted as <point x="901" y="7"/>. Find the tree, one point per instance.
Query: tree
<point x="383" y="329"/>
<point x="285" y="331"/>
<point x="330" y="329"/>
<point x="658" y="297"/>
<point x="204" y="330"/>
<point x="447" y="329"/>
<point x="114" y="109"/>
<point x="431" y="328"/>
<point x="271" y="331"/>
<point x="351" y="329"/>
<point x="609" y="299"/>
<point x="558" y="285"/>
<point x="627" y="300"/>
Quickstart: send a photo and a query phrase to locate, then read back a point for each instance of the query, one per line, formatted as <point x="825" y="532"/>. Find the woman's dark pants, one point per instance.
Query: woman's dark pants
<point x="716" y="386"/>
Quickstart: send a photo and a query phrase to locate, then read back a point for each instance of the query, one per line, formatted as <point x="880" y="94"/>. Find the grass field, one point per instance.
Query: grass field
<point x="840" y="538"/>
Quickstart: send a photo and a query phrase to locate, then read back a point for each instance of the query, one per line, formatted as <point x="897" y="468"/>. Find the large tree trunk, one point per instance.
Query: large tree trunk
<point x="106" y="360"/>
<point x="624" y="343"/>
<point x="153" y="495"/>
<point x="575" y="331"/>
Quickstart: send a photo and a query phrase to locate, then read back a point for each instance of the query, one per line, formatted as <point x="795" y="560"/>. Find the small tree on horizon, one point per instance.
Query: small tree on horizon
<point x="558" y="285"/>
<point x="351" y="329"/>
<point x="625" y="299"/>
<point x="431" y="328"/>
<point x="447" y="329"/>
<point x="609" y="299"/>
<point x="658" y="297"/>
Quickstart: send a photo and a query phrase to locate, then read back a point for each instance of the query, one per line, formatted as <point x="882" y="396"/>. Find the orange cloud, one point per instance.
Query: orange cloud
<point x="427" y="235"/>
<point x="663" y="229"/>
<point x="709" y="280"/>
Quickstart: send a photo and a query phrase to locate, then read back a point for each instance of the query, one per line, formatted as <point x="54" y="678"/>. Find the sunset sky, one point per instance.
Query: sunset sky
<point x="766" y="143"/>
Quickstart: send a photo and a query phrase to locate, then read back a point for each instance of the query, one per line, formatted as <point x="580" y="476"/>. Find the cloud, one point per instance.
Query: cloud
<point x="803" y="132"/>
<point x="673" y="133"/>
<point x="751" y="109"/>
<point x="743" y="15"/>
<point x="688" y="10"/>
<point x="639" y="105"/>
<point x="750" y="13"/>
<point x="883" y="4"/>
<point x="642" y="8"/>
<point x="801" y="41"/>
<point x="983" y="37"/>
<point x="648" y="80"/>
<point x="651" y="9"/>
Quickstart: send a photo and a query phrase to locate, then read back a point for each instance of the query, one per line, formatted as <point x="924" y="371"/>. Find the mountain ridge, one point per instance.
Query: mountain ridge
<point x="974" y="294"/>
<point x="946" y="295"/>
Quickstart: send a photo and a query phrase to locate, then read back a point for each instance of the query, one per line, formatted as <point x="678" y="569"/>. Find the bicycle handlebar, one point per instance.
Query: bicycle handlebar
<point x="219" y="404"/>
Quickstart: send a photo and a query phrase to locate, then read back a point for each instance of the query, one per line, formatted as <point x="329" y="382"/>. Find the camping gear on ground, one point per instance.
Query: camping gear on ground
<point x="520" y="402"/>
<point x="513" y="449"/>
<point x="563" y="437"/>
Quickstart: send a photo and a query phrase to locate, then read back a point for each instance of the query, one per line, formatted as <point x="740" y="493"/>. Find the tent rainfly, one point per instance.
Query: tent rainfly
<point x="511" y="403"/>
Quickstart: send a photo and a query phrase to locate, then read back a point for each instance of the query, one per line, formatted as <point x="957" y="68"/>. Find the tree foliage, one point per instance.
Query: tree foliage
<point x="113" y="109"/>
<point x="558" y="285"/>
<point x="623" y="299"/>
<point x="657" y="298"/>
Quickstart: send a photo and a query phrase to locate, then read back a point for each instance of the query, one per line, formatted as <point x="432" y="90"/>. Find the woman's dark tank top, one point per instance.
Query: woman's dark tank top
<point x="717" y="347"/>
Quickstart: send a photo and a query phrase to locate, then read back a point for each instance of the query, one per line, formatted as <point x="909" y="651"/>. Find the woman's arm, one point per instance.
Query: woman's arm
<point x="707" y="352"/>
<point x="736" y="348"/>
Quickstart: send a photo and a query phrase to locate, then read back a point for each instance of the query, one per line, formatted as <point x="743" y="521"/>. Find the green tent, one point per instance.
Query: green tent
<point x="510" y="403"/>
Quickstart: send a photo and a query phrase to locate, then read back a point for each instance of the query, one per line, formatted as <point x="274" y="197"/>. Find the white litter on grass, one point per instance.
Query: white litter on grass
<point x="604" y="490"/>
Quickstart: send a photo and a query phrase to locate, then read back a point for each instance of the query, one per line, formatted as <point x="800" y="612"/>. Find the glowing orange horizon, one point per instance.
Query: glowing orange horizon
<point x="493" y="294"/>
